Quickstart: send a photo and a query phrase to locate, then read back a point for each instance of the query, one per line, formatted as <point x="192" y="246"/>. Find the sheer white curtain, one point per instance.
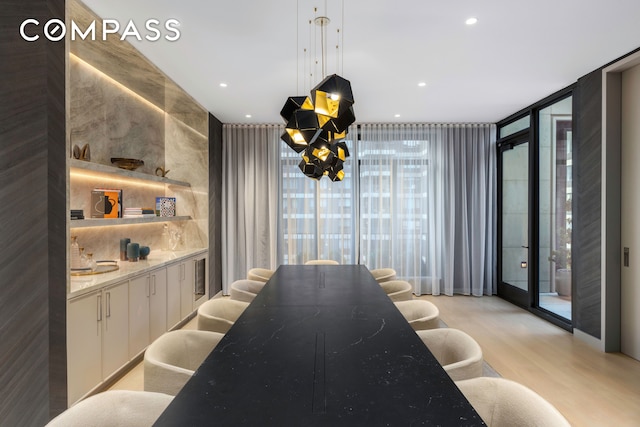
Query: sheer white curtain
<point x="427" y="204"/>
<point x="317" y="219"/>
<point x="250" y="194"/>
<point x="419" y="198"/>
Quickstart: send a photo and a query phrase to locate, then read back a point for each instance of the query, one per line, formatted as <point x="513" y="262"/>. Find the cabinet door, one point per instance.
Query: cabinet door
<point x="84" y="344"/>
<point x="187" y="285"/>
<point x="139" y="292"/>
<point x="173" y="295"/>
<point x="115" y="339"/>
<point x="158" y="304"/>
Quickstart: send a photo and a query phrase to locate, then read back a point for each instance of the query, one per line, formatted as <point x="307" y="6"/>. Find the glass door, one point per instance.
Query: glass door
<point x="535" y="198"/>
<point x="555" y="137"/>
<point x="514" y="216"/>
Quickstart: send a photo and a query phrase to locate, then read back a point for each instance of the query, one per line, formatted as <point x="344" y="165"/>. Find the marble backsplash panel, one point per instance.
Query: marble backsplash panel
<point x="113" y="120"/>
<point x="188" y="160"/>
<point x="86" y="118"/>
<point x="104" y="242"/>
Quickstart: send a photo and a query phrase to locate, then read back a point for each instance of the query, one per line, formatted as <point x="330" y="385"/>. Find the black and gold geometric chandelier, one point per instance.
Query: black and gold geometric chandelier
<point x="316" y="125"/>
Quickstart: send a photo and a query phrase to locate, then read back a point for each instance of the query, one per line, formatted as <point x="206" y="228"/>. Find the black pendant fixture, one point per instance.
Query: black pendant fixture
<point x="317" y="125"/>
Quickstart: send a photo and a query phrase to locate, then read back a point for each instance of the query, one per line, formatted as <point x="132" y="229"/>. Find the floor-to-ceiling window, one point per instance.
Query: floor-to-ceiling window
<point x="394" y="206"/>
<point x="317" y="217"/>
<point x="415" y="197"/>
<point x="419" y="198"/>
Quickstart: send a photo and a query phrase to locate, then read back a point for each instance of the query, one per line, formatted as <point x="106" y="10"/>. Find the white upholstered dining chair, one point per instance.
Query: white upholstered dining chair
<point x="383" y="274"/>
<point x="398" y="290"/>
<point x="114" y="408"/>
<point x="245" y="290"/>
<point x="219" y="314"/>
<point x="458" y="353"/>
<point x="169" y="361"/>
<point x="260" y="274"/>
<point x="321" y="262"/>
<point x="420" y="314"/>
<point x="504" y="403"/>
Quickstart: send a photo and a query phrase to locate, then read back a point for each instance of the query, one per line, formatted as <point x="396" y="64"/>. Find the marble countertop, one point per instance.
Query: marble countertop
<point x="79" y="285"/>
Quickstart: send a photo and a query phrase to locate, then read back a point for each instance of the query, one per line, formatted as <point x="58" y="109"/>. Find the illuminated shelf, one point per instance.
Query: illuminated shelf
<point x="98" y="169"/>
<point x="100" y="222"/>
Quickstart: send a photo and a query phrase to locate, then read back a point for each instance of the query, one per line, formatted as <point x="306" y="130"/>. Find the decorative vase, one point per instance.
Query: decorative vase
<point x="75" y="253"/>
<point x="133" y="252"/>
<point x="563" y="282"/>
<point x="123" y="248"/>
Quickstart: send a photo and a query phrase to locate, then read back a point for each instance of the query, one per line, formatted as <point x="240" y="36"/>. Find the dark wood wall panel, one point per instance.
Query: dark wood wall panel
<point x="215" y="205"/>
<point x="32" y="219"/>
<point x="57" y="217"/>
<point x="587" y="231"/>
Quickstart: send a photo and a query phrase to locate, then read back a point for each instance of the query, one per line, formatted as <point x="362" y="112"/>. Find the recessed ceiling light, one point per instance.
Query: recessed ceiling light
<point x="248" y="116"/>
<point x="422" y="84"/>
<point x="396" y="116"/>
<point x="471" y="21"/>
<point x="223" y="85"/>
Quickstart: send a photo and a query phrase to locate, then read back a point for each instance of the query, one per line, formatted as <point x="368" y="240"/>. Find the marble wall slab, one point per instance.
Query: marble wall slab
<point x="118" y="58"/>
<point x="187" y="160"/>
<point x="123" y="106"/>
<point x="113" y="120"/>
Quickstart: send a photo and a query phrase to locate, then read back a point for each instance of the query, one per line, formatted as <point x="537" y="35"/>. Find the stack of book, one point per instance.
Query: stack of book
<point x="77" y="214"/>
<point x="138" y="212"/>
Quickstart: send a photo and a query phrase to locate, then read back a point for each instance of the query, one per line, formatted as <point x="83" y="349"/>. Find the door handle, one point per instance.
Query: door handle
<point x="626" y="257"/>
<point x="525" y="246"/>
<point x="99" y="308"/>
<point x="108" y="304"/>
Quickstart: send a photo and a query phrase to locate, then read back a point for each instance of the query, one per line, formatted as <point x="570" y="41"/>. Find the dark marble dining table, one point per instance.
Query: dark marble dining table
<point x="320" y="345"/>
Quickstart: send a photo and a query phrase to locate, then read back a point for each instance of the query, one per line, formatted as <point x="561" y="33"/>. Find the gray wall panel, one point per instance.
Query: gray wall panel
<point x="32" y="220"/>
<point x="587" y="231"/>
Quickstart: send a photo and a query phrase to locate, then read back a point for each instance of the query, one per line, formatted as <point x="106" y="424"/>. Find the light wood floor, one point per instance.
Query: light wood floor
<point x="589" y="387"/>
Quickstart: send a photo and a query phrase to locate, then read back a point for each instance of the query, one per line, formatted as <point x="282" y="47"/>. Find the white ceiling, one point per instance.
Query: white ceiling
<point x="518" y="52"/>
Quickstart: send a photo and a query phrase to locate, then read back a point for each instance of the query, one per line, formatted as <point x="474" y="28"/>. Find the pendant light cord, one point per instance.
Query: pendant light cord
<point x="323" y="41"/>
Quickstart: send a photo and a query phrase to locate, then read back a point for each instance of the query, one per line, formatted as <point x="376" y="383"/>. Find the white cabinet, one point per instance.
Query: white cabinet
<point x="115" y="343"/>
<point x="147" y="310"/>
<point x="187" y="280"/>
<point x="84" y="344"/>
<point x="111" y="326"/>
<point x="97" y="337"/>
<point x="157" y="304"/>
<point x="139" y="291"/>
<point x="184" y="277"/>
<point x="174" y="273"/>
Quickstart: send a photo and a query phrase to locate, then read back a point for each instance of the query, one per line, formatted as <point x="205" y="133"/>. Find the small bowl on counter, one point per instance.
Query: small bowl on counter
<point x="128" y="164"/>
<point x="144" y="252"/>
